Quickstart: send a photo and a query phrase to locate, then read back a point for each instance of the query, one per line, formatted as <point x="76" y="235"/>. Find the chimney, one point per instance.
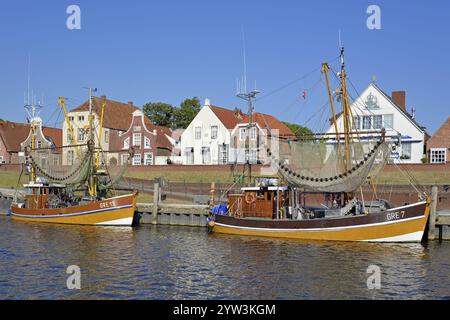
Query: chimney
<point x="399" y="98"/>
<point x="207" y="103"/>
<point x="130" y="103"/>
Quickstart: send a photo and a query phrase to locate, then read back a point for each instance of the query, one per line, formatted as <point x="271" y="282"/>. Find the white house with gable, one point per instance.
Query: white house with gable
<point x="374" y="110"/>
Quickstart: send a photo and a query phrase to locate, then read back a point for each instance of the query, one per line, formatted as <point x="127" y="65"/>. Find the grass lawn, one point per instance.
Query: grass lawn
<point x="8" y="179"/>
<point x="424" y="178"/>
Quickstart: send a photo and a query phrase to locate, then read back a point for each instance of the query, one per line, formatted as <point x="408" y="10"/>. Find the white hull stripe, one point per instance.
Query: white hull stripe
<point x="320" y="229"/>
<point x="72" y="214"/>
<point x="118" y="222"/>
<point x="407" y="206"/>
<point x="408" y="237"/>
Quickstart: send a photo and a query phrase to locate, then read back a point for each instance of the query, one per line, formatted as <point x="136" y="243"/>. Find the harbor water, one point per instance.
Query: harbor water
<point x="169" y="262"/>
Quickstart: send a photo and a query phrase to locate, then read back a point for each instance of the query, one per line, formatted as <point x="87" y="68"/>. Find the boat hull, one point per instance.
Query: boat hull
<point x="117" y="211"/>
<point x="402" y="224"/>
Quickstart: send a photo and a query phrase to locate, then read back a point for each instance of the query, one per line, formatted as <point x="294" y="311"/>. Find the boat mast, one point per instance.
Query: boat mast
<point x="92" y="177"/>
<point x="249" y="97"/>
<point x="33" y="111"/>
<point x="346" y="112"/>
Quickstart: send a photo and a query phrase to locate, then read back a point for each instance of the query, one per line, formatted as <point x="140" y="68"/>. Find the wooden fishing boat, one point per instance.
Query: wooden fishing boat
<point x="82" y="193"/>
<point x="109" y="211"/>
<point x="319" y="193"/>
<point x="254" y="213"/>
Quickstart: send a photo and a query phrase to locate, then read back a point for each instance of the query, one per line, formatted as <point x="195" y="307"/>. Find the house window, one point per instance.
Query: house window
<point x="71" y="118"/>
<point x="70" y="157"/>
<point x="253" y="133"/>
<point x="242" y="135"/>
<point x="124" y="158"/>
<point x="367" y="122"/>
<point x="223" y="154"/>
<point x="136" y="139"/>
<point x="137" y="159"/>
<point x="1" y="159"/>
<point x="39" y="144"/>
<point x="406" y="151"/>
<point x="253" y="156"/>
<point x="82" y="134"/>
<point x="198" y="133"/>
<point x="189" y="154"/>
<point x="438" y="155"/>
<point x="206" y="155"/>
<point x="55" y="161"/>
<point x="126" y="143"/>
<point x="356" y="122"/>
<point x="389" y="121"/>
<point x="148" y="159"/>
<point x="80" y="118"/>
<point x="137" y="128"/>
<point x="106" y="136"/>
<point x="377" y="122"/>
<point x="69" y="137"/>
<point x="146" y="143"/>
<point x="214" y="130"/>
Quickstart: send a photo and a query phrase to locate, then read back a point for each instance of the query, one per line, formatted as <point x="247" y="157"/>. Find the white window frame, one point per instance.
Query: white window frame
<point x="70" y="157"/>
<point x="1" y="159"/>
<point x="404" y="149"/>
<point x="198" y="133"/>
<point x="147" y="143"/>
<point x="253" y="134"/>
<point x="148" y="156"/>
<point x="137" y="128"/>
<point x="81" y="118"/>
<point x="242" y="134"/>
<point x="214" y="132"/>
<point x="137" y="142"/>
<point x="364" y="127"/>
<point x="126" y="143"/>
<point x="434" y="153"/>
<point x="206" y="160"/>
<point x="106" y="136"/>
<point x="374" y="122"/>
<point x="137" y="159"/>
<point x="385" y="123"/>
<point x="189" y="154"/>
<point x="124" y="158"/>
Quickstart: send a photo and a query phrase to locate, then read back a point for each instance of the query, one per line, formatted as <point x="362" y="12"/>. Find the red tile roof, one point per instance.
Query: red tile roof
<point x="13" y="134"/>
<point x="118" y="115"/>
<point x="231" y="118"/>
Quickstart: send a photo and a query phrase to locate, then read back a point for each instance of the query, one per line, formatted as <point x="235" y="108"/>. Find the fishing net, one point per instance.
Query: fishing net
<point x="320" y="165"/>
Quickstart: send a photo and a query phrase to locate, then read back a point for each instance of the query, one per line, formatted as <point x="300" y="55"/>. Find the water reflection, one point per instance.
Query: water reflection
<point x="167" y="262"/>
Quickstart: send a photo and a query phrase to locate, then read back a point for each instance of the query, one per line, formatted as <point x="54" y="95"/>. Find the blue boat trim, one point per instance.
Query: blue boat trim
<point x="72" y="214"/>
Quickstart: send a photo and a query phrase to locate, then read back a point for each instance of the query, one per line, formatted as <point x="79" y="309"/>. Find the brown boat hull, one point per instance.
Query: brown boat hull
<point x="111" y="211"/>
<point x="402" y="224"/>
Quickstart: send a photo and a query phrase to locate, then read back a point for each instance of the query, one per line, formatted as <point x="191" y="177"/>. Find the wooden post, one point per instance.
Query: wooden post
<point x="155" y="203"/>
<point x="212" y="193"/>
<point x="432" y="218"/>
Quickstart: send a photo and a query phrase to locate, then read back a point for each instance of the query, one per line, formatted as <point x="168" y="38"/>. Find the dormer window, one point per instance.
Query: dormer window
<point x="137" y="128"/>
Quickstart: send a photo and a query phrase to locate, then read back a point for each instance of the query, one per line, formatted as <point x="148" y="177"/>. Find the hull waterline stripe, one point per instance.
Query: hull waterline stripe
<point x="72" y="214"/>
<point x="320" y="229"/>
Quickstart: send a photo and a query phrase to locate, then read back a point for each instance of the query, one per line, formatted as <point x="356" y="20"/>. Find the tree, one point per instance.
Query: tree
<point x="159" y="113"/>
<point x="297" y="129"/>
<point x="187" y="111"/>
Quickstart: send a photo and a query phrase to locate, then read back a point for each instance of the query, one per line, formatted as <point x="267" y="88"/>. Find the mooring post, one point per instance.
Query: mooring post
<point x="432" y="218"/>
<point x="212" y="193"/>
<point x="155" y="203"/>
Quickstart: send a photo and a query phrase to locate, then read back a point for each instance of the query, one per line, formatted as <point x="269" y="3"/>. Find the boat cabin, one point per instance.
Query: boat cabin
<point x="262" y="202"/>
<point x="42" y="195"/>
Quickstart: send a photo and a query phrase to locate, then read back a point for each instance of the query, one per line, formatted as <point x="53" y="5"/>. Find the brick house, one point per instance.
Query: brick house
<point x="151" y="143"/>
<point x="438" y="146"/>
<point x="116" y="121"/>
<point x="14" y="137"/>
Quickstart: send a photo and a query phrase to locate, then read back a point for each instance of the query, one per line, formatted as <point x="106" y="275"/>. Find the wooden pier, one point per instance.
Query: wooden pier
<point x="193" y="215"/>
<point x="439" y="219"/>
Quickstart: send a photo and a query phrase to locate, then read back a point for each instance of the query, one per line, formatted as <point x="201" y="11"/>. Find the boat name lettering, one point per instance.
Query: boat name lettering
<point x="108" y="204"/>
<point x="395" y="215"/>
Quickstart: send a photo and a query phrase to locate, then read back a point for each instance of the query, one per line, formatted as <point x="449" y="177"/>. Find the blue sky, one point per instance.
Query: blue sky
<point x="144" y="51"/>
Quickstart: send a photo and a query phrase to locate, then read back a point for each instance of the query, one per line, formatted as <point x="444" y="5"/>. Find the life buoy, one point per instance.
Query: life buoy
<point x="250" y="198"/>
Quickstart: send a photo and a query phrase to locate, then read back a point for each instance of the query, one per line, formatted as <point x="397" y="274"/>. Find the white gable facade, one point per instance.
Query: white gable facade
<point x="374" y="110"/>
<point x="206" y="141"/>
